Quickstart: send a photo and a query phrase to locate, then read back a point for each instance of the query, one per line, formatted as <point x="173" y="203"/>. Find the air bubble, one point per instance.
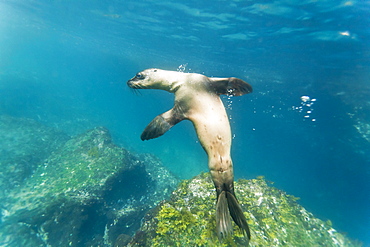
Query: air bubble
<point x="306" y="106"/>
<point x="305" y="98"/>
<point x="182" y="67"/>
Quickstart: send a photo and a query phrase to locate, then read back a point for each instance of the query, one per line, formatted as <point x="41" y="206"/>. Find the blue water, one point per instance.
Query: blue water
<point x="65" y="64"/>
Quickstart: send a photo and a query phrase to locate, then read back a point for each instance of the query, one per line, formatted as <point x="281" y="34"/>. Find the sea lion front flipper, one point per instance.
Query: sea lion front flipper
<point x="162" y="123"/>
<point x="230" y="86"/>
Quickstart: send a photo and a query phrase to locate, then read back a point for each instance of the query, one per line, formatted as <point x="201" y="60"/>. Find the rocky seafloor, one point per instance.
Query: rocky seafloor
<point x="274" y="217"/>
<point x="85" y="190"/>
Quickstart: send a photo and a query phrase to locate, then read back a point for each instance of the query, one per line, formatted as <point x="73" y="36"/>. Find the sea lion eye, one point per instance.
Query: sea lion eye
<point x="139" y="76"/>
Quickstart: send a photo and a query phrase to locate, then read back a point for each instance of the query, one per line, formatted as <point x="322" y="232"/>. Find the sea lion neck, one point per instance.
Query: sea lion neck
<point x="174" y="86"/>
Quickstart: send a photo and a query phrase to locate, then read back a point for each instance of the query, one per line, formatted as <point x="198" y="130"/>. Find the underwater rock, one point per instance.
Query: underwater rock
<point x="274" y="218"/>
<point x="24" y="144"/>
<point x="89" y="192"/>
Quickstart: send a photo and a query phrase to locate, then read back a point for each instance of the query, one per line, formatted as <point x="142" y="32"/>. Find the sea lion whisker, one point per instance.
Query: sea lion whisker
<point x="136" y="91"/>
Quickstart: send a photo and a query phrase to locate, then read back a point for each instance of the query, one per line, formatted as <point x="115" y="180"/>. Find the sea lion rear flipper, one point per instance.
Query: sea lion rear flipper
<point x="162" y="123"/>
<point x="236" y="213"/>
<point x="223" y="222"/>
<point x="230" y="86"/>
<point x="227" y="203"/>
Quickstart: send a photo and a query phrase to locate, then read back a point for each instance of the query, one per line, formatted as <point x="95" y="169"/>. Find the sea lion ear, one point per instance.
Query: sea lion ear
<point x="230" y="86"/>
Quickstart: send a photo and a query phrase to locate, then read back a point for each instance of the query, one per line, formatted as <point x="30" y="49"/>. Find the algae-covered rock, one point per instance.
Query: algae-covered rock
<point x="24" y="144"/>
<point x="275" y="219"/>
<point x="89" y="192"/>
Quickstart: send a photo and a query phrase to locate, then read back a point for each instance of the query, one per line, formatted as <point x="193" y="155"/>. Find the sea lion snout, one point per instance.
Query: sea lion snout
<point x="134" y="82"/>
<point x="147" y="80"/>
<point x="131" y="84"/>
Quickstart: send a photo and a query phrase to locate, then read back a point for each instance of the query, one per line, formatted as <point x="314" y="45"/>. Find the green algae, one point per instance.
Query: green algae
<point x="275" y="218"/>
<point x="188" y="218"/>
<point x="94" y="152"/>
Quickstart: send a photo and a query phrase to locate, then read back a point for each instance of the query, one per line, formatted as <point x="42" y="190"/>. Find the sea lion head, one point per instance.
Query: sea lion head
<point x="171" y="81"/>
<point x="153" y="79"/>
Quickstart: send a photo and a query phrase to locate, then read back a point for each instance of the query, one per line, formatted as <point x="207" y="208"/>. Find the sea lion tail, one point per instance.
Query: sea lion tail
<point x="236" y="213"/>
<point x="227" y="203"/>
<point x="223" y="222"/>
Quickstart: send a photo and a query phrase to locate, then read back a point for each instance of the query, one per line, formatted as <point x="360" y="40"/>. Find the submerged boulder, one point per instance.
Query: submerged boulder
<point x="24" y="144"/>
<point x="89" y="192"/>
<point x="275" y="219"/>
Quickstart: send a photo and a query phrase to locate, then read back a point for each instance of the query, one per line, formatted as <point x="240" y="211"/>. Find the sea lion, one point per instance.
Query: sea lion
<point x="197" y="98"/>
